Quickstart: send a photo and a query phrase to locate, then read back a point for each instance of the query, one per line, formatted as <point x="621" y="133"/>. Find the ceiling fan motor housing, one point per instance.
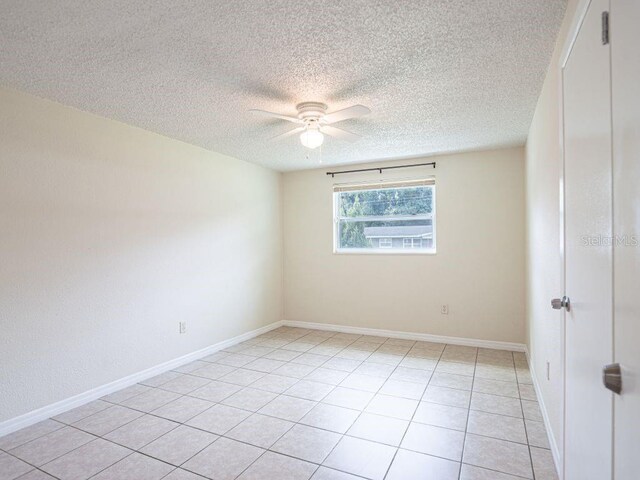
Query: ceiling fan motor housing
<point x="311" y="112"/>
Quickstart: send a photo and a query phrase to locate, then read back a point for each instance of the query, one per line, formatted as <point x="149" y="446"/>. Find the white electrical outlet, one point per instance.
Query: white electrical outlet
<point x="183" y="327"/>
<point x="444" y="310"/>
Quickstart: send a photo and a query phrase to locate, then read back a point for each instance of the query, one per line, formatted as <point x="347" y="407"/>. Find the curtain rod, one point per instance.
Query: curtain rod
<point x="380" y="169"/>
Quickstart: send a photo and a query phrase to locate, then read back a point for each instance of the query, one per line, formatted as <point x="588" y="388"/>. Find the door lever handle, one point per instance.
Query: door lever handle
<point x="564" y="302"/>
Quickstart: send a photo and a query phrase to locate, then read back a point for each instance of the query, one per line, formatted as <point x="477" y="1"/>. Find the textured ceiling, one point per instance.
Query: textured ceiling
<point x="438" y="75"/>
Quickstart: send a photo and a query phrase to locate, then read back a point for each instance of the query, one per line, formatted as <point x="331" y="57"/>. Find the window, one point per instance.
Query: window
<point x="392" y="217"/>
<point x="412" y="243"/>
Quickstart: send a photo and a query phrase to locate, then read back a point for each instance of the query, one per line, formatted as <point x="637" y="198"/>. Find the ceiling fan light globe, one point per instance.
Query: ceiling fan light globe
<point x="311" y="138"/>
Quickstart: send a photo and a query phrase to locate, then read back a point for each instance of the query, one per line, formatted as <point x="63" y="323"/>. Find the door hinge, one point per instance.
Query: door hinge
<point x="605" y="28"/>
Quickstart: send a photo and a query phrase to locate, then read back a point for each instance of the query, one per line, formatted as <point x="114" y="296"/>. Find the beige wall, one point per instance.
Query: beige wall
<point x="111" y="235"/>
<point x="544" y="264"/>
<point x="478" y="269"/>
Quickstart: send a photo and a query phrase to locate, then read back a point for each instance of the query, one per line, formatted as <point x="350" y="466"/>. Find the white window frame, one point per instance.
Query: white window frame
<point x="383" y="251"/>
<point x="385" y="240"/>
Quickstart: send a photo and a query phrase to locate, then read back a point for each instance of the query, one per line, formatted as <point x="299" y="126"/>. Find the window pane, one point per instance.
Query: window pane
<point x="385" y="218"/>
<point x="386" y="202"/>
<point x="392" y="234"/>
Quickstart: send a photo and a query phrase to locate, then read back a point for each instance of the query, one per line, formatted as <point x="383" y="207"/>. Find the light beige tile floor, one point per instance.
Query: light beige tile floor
<point x="298" y="404"/>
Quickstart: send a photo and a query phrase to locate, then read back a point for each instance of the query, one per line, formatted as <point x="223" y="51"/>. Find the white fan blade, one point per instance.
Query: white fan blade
<point x="276" y="115"/>
<point x="288" y="134"/>
<point x="339" y="133"/>
<point x="345" y="114"/>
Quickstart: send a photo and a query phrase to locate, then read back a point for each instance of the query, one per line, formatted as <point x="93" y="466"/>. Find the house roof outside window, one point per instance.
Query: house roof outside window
<point x="410" y="231"/>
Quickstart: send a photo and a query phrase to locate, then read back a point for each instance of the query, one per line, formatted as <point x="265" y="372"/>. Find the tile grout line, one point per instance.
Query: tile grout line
<point x="294" y="424"/>
<point x="342" y="435"/>
<point x="251" y="412"/>
<point x="283" y="434"/>
<point x="466" y="427"/>
<point x="364" y="409"/>
<point x="533" y="472"/>
<point x="414" y="413"/>
<point x="510" y="441"/>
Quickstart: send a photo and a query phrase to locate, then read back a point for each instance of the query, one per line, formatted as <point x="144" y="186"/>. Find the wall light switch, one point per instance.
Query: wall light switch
<point x="183" y="327"/>
<point x="444" y="310"/>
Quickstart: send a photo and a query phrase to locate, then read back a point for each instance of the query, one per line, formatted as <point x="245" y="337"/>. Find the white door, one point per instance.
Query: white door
<point x="625" y="77"/>
<point x="588" y="251"/>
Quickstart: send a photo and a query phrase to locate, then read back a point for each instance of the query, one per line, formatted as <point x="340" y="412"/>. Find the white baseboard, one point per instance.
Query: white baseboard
<point x="555" y="451"/>
<point x="425" y="337"/>
<point x="35" y="416"/>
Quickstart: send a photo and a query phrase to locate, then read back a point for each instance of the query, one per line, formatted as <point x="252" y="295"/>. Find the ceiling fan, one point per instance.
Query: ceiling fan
<point x="315" y="122"/>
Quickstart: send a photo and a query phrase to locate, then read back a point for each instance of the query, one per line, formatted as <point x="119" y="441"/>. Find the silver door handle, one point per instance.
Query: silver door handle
<point x="564" y="302"/>
<point x="612" y="377"/>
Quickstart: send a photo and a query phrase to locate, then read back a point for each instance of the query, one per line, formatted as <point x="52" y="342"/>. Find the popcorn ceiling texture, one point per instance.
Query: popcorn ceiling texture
<point x="439" y="75"/>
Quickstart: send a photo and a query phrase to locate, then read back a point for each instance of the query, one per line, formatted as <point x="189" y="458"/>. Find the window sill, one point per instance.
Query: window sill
<point x="355" y="251"/>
